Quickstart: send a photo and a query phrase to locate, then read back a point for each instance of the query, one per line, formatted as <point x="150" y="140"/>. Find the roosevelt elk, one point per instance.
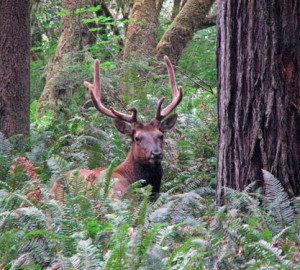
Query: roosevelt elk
<point x="144" y="158"/>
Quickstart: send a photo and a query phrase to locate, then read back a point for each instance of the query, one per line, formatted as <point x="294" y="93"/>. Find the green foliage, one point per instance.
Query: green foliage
<point x="181" y="228"/>
<point x="199" y="56"/>
<point x="279" y="202"/>
<point x="180" y="231"/>
<point x="5" y="156"/>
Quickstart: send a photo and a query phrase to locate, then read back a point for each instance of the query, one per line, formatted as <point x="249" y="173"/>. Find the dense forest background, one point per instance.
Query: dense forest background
<point x="183" y="228"/>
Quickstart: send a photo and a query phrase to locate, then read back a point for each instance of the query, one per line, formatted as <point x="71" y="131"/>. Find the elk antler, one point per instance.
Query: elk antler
<point x="176" y="93"/>
<point x="95" y="93"/>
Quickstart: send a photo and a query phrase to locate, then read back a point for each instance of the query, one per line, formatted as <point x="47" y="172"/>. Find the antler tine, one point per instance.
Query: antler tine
<point x="158" y="114"/>
<point x="95" y="93"/>
<point x="126" y="117"/>
<point x="177" y="93"/>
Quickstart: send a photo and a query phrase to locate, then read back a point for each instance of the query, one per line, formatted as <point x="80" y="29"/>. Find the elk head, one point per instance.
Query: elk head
<point x="147" y="138"/>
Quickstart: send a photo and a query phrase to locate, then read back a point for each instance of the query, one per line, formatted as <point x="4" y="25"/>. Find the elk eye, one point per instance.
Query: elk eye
<point x="161" y="137"/>
<point x="137" y="139"/>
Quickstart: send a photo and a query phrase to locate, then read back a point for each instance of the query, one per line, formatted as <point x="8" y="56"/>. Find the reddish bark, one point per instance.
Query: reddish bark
<point x="14" y="67"/>
<point x="258" y="60"/>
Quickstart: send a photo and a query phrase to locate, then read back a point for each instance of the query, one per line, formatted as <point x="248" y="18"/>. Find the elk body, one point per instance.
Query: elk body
<point x="144" y="158"/>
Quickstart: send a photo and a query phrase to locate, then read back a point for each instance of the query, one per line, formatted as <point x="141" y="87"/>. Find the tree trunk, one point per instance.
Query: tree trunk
<point x="258" y="61"/>
<point x="75" y="35"/>
<point x="182" y="29"/>
<point x="176" y="8"/>
<point x="14" y="67"/>
<point x="141" y="33"/>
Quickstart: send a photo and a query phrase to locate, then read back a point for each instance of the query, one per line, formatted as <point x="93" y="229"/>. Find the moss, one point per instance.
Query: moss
<point x="182" y="29"/>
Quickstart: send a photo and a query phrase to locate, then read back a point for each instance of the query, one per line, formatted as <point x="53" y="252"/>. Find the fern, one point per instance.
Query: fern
<point x="5" y="186"/>
<point x="87" y="256"/>
<point x="184" y="255"/>
<point x="107" y="176"/>
<point x="6" y="157"/>
<point x="67" y="229"/>
<point x="296" y="202"/>
<point x="8" y="240"/>
<point x="279" y="202"/>
<point x="142" y="209"/>
<point x="118" y="257"/>
<point x="272" y="254"/>
<point x="245" y="201"/>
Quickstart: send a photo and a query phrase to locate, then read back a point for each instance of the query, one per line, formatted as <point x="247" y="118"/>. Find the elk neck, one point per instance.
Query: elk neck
<point x="134" y="171"/>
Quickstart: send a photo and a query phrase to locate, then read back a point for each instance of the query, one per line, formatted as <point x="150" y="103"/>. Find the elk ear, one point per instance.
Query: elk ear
<point x="168" y="123"/>
<point x="123" y="127"/>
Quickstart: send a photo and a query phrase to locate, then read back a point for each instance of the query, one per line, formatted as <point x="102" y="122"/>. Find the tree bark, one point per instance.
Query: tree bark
<point x="141" y="33"/>
<point x="14" y="67"/>
<point x="258" y="61"/>
<point x="176" y="8"/>
<point x="182" y="29"/>
<point x="209" y="21"/>
<point x="75" y="35"/>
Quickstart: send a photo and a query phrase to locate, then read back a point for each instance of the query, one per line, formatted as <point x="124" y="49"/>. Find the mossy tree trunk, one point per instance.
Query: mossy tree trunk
<point x="258" y="70"/>
<point x="14" y="67"/>
<point x="75" y="35"/>
<point x="141" y="32"/>
<point x="182" y="29"/>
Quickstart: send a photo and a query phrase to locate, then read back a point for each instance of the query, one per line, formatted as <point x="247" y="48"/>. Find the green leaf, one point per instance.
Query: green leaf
<point x="267" y="235"/>
<point x="33" y="111"/>
<point x="63" y="12"/>
<point x="95" y="29"/>
<point x="80" y="10"/>
<point x="100" y="18"/>
<point x="93" y="9"/>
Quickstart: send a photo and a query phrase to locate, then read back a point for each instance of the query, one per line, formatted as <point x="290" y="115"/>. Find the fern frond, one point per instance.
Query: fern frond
<point x="296" y="202"/>
<point x="220" y="261"/>
<point x="166" y="232"/>
<point x="87" y="256"/>
<point x="23" y="259"/>
<point x="5" y="146"/>
<point x="140" y="215"/>
<point x="280" y="204"/>
<point x="67" y="228"/>
<point x="118" y="257"/>
<point x="246" y="203"/>
<point x="6" y="157"/>
<point x="182" y="257"/>
<point x="267" y="250"/>
<point x="107" y="176"/>
<point x="141" y="241"/>
<point x="5" y="186"/>
<point x="155" y="258"/>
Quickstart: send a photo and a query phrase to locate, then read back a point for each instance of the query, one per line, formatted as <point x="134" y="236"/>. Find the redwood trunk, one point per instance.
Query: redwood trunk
<point x="258" y="61"/>
<point x="14" y="67"/>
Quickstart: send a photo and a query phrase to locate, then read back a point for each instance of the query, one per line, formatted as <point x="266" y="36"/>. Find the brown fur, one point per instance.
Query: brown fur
<point x="139" y="163"/>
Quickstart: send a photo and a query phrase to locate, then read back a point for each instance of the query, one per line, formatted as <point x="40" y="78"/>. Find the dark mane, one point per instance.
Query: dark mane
<point x="151" y="173"/>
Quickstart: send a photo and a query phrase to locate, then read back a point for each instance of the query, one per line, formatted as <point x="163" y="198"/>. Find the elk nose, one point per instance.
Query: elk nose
<point x="156" y="154"/>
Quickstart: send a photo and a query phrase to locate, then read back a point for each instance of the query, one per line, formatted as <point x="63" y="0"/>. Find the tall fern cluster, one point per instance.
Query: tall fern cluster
<point x="175" y="231"/>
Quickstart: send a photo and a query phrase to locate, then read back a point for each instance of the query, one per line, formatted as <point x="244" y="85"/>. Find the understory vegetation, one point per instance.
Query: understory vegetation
<point x="181" y="228"/>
